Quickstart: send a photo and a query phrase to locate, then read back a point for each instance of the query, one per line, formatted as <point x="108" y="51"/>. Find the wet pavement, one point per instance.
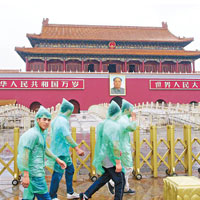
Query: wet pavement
<point x="147" y="188"/>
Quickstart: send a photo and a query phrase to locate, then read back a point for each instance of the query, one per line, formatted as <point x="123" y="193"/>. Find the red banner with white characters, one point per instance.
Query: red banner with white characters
<point x="64" y="84"/>
<point x="174" y="84"/>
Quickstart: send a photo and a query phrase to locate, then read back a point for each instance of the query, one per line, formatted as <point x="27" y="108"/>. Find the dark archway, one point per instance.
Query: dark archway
<point x="118" y="100"/>
<point x="35" y="106"/>
<point x="112" y="68"/>
<point x="131" y="68"/>
<point x="160" y="101"/>
<point x="194" y="102"/>
<point x="91" y="68"/>
<point x="76" y="105"/>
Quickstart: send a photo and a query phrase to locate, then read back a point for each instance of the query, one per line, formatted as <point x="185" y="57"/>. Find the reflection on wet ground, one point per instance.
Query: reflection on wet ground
<point x="147" y="188"/>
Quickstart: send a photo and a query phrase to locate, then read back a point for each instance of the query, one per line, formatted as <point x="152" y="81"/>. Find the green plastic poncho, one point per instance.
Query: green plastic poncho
<point x="107" y="139"/>
<point x="61" y="139"/>
<point x="31" y="155"/>
<point x="126" y="126"/>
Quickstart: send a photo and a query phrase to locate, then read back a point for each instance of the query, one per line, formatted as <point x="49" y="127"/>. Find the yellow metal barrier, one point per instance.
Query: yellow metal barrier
<point x="188" y="151"/>
<point x="195" y="157"/>
<point x="171" y="155"/>
<point x="92" y="149"/>
<point x="136" y="153"/>
<point x="166" y="154"/>
<point x="16" y="142"/>
<point x="90" y="155"/>
<point x="153" y="159"/>
<point x="153" y="134"/>
<point x="74" y="155"/>
<point x="14" y="173"/>
<point x="7" y="165"/>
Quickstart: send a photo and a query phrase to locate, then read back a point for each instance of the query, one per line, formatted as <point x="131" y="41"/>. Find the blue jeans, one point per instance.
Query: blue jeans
<point x="56" y="178"/>
<point x="45" y="196"/>
<point x="110" y="173"/>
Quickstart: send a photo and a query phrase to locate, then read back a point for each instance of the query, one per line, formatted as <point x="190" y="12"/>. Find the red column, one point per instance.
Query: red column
<point x="27" y="65"/>
<point x="82" y="66"/>
<point x="193" y="64"/>
<point x="64" y="66"/>
<point x="177" y="66"/>
<point x="160" y="66"/>
<point x="100" y="66"/>
<point x="125" y="66"/>
<point x="143" y="66"/>
<point x="45" y="65"/>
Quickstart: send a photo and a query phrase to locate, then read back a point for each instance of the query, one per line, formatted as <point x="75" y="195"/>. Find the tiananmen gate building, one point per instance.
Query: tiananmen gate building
<point x="81" y="63"/>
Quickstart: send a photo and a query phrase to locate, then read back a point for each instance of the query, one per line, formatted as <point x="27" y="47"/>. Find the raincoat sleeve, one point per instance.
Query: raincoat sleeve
<point x="30" y="141"/>
<point x="64" y="129"/>
<point x="71" y="141"/>
<point x="24" y="161"/>
<point x="126" y="124"/>
<point x="25" y="147"/>
<point x="50" y="155"/>
<point x="112" y="135"/>
<point x="99" y="151"/>
<point x="131" y="126"/>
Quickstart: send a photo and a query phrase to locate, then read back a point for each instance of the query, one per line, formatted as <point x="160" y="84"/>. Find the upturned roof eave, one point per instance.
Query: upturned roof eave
<point x="137" y="52"/>
<point x="39" y="38"/>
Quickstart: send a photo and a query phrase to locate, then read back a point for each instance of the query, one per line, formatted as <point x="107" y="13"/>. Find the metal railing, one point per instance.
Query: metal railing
<point x="153" y="158"/>
<point x="6" y="166"/>
<point x="170" y="159"/>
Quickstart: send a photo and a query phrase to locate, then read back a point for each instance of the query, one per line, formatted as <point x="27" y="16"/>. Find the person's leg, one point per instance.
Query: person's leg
<point x="40" y="188"/>
<point x="127" y="174"/>
<point x="55" y="180"/>
<point x="119" y="181"/>
<point x="101" y="181"/>
<point x="28" y="194"/>
<point x="112" y="182"/>
<point x="69" y="172"/>
<point x="45" y="196"/>
<point x="111" y="186"/>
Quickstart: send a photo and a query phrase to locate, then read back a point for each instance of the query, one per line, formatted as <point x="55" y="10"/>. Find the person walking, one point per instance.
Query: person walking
<point x="61" y="141"/>
<point x="107" y="155"/>
<point x="128" y="124"/>
<point x="31" y="157"/>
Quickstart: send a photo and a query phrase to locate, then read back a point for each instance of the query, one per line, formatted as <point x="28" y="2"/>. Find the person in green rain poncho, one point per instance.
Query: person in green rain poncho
<point x="61" y="141"/>
<point x="107" y="155"/>
<point x="127" y="123"/>
<point x="31" y="157"/>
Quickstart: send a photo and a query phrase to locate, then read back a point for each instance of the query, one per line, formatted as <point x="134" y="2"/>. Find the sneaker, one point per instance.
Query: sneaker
<point x="73" y="196"/>
<point x="110" y="188"/>
<point x="129" y="191"/>
<point x="83" y="197"/>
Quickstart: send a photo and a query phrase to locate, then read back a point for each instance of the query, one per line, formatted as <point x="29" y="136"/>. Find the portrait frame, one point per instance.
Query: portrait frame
<point x="123" y="85"/>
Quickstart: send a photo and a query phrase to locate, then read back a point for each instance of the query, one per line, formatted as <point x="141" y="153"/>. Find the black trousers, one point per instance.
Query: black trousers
<point x="110" y="173"/>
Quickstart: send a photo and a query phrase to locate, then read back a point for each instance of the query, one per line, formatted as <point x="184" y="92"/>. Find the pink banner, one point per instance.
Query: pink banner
<point x="174" y="84"/>
<point x="42" y="84"/>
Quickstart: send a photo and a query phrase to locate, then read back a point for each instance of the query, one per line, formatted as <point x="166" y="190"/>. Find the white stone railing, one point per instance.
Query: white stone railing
<point x="147" y="114"/>
<point x="16" y="115"/>
<point x="158" y="114"/>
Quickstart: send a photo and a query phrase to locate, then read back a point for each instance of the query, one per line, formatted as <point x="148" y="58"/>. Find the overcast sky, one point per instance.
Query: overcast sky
<point x="19" y="17"/>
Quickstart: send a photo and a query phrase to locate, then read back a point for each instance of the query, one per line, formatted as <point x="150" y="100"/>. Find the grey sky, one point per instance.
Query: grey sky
<point x="17" y="18"/>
